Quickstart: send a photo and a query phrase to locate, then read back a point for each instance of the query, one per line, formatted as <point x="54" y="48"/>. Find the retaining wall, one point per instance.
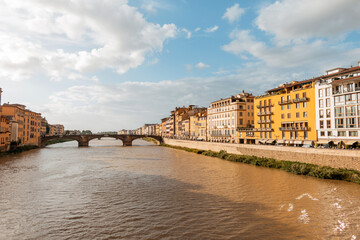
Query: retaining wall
<point x="339" y="158"/>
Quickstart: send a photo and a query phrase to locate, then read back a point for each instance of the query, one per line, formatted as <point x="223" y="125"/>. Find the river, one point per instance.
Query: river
<point x="107" y="191"/>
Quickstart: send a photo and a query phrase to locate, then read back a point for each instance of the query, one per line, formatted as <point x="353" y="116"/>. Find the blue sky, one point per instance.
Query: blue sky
<point x="113" y="64"/>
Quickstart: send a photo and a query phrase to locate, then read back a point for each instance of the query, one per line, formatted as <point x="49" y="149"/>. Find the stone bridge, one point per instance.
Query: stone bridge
<point x="84" y="140"/>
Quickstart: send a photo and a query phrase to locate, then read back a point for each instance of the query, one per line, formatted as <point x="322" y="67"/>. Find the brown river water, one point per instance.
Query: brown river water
<point x="107" y="191"/>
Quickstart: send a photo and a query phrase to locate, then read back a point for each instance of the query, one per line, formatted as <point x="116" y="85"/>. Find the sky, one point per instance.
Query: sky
<point x="117" y="64"/>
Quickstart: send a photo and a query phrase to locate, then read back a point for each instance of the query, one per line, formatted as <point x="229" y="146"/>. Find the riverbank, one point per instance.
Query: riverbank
<point x="298" y="168"/>
<point x="151" y="140"/>
<point x="58" y="140"/>
<point x="18" y="150"/>
<point x="335" y="158"/>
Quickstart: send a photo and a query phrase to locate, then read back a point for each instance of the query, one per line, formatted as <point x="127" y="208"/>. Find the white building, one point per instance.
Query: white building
<point x="338" y="106"/>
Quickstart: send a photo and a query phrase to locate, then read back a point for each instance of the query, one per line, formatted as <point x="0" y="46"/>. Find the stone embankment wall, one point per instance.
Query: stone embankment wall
<point x="349" y="159"/>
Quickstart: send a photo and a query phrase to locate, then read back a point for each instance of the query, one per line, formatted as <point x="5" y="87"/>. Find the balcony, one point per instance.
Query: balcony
<point x="264" y="113"/>
<point x="265" y="121"/>
<point x="297" y="100"/>
<point x="294" y="128"/>
<point x="263" y="129"/>
<point x="265" y="106"/>
<point x="284" y="102"/>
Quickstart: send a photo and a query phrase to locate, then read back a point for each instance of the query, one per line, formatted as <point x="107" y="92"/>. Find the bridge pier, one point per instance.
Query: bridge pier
<point x="83" y="143"/>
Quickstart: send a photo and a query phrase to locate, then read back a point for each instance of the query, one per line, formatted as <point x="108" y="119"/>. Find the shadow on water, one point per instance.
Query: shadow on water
<point x="125" y="205"/>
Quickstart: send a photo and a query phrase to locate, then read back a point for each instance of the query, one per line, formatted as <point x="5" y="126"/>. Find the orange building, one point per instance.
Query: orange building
<point x="4" y="130"/>
<point x="25" y="125"/>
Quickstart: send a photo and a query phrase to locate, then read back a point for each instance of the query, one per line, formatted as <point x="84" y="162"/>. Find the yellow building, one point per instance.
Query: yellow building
<point x="285" y="115"/>
<point x="198" y="124"/>
<point x="24" y="123"/>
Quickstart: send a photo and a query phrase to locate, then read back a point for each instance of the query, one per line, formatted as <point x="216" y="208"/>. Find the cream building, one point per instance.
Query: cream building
<point x="226" y="115"/>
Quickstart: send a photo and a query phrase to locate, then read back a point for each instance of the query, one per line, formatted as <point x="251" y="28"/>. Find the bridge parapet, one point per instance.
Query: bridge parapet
<point x="83" y="140"/>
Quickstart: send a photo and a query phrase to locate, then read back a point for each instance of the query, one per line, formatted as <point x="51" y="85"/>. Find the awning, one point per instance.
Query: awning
<point x="350" y="142"/>
<point x="309" y="142"/>
<point x="336" y="142"/>
<point x="270" y="141"/>
<point x="298" y="142"/>
<point x="281" y="141"/>
<point x="323" y="141"/>
<point x="262" y="140"/>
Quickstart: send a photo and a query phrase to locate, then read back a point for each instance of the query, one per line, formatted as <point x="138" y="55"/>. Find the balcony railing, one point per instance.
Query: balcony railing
<point x="265" y="121"/>
<point x="264" y="113"/>
<point x="294" y="128"/>
<point x="297" y="100"/>
<point x="263" y="129"/>
<point x="284" y="102"/>
<point x="265" y="106"/>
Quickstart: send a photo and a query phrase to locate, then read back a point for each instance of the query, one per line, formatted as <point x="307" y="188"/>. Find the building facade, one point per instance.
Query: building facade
<point x="56" y="130"/>
<point x="338" y="106"/>
<point x="286" y="115"/>
<point x="225" y="116"/>
<point x="25" y="125"/>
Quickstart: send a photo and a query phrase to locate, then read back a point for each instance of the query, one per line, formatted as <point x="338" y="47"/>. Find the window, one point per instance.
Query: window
<point x="328" y="113"/>
<point x="291" y="135"/>
<point x="282" y="107"/>
<point x="304" y="104"/>
<point x="282" y="116"/>
<point x="328" y="102"/>
<point x="339" y="123"/>
<point x="288" y="97"/>
<point x="304" y="95"/>
<point x="321" y="103"/>
<point x="297" y="115"/>
<point x="339" y="112"/>
<point x="321" y="124"/>
<point x="321" y="113"/>
<point x="329" y="133"/>
<point x="288" y="106"/>
<point x="304" y="114"/>
<point x="327" y="92"/>
<point x="305" y="135"/>
<point x="283" y="135"/>
<point x="297" y="105"/>
<point x="282" y="99"/>
<point x="353" y="134"/>
<point x="289" y="115"/>
<point x="350" y="123"/>
<point x="350" y="111"/>
<point x="322" y="133"/>
<point x="328" y="124"/>
<point x="320" y="93"/>
<point x="341" y="133"/>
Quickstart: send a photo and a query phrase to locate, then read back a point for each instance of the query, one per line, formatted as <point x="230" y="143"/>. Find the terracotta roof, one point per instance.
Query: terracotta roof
<point x="346" y="79"/>
<point x="291" y="84"/>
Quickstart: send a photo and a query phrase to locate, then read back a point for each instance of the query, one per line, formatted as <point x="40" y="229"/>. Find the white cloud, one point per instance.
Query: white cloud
<point x="233" y="13"/>
<point x="131" y="104"/>
<point x="188" y="33"/>
<point x="197" y="29"/>
<point x="202" y="65"/>
<point x="311" y="56"/>
<point x="119" y="36"/>
<point x="293" y="19"/>
<point x="212" y="29"/>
